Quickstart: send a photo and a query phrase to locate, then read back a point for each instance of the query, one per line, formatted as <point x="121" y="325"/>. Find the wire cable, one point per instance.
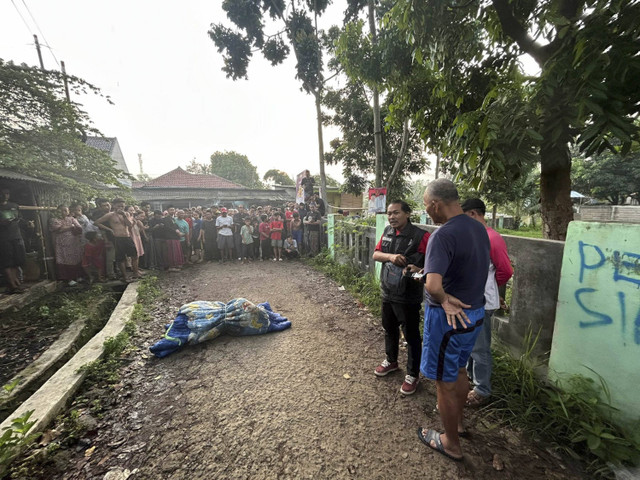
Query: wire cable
<point x="40" y="30"/>
<point x="23" y="20"/>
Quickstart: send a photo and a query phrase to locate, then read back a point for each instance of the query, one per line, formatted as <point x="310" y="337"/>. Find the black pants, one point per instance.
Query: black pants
<point x="406" y="315"/>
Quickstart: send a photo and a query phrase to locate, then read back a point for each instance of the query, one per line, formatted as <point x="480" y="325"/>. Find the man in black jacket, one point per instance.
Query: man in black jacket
<point x="401" y="244"/>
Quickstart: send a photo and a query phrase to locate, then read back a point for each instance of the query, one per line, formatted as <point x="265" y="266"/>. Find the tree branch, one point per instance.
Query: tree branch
<point x="512" y="27"/>
<point x="401" y="153"/>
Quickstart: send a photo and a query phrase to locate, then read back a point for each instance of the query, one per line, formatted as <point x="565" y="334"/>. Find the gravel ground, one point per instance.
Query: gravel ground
<point x="302" y="403"/>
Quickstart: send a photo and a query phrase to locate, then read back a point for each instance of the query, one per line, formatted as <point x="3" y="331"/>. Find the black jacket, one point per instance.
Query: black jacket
<point x="406" y="243"/>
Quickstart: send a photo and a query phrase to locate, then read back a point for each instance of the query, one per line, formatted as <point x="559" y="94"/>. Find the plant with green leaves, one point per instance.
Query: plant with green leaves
<point x="494" y="118"/>
<point x="278" y="177"/>
<point x="41" y="133"/>
<point x="297" y="30"/>
<point x="576" y="417"/>
<point x="14" y="438"/>
<point x="608" y="176"/>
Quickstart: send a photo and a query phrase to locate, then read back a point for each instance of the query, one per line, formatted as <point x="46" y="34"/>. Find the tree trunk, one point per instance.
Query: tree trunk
<point x="377" y="127"/>
<point x="400" y="158"/>
<point x="323" y="178"/>
<point x="555" y="189"/>
<point x="494" y="218"/>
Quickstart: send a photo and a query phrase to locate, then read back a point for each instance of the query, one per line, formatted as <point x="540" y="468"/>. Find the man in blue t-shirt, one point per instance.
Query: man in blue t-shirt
<point x="456" y="265"/>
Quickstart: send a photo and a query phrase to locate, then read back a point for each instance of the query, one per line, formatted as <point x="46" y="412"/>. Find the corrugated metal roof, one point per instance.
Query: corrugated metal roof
<point x="18" y="176"/>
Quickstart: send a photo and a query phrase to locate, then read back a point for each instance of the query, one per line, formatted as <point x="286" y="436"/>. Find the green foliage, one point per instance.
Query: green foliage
<point x="331" y="182"/>
<point x="577" y="420"/>
<point x="148" y="290"/>
<point x="15" y="437"/>
<point x="296" y="23"/>
<point x="609" y="176"/>
<point x="9" y="387"/>
<point x="278" y="177"/>
<point x="198" y="168"/>
<point x="529" y="232"/>
<point x="235" y="167"/>
<point x="106" y="369"/>
<point x="489" y="120"/>
<point x="41" y="134"/>
<point x="355" y="150"/>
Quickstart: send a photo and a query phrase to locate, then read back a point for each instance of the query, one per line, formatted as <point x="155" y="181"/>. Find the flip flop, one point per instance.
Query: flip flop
<point x="434" y="436"/>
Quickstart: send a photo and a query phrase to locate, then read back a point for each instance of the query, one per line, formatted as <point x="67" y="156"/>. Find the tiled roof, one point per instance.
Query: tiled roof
<point x="105" y="144"/>
<point x="179" y="178"/>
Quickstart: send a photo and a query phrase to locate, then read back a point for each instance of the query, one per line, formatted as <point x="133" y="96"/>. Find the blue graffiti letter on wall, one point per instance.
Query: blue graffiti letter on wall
<point x="602" y="318"/>
<point x="591" y="266"/>
<point x="619" y="264"/>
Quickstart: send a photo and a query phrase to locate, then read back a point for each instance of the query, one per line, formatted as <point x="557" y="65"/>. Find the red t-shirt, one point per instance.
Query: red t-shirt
<point x="276" y="235"/>
<point x="265" y="231"/>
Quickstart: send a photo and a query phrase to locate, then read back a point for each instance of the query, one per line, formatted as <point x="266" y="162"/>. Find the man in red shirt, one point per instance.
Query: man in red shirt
<point x="276" y="227"/>
<point x="402" y="244"/>
<point x="265" y="238"/>
<point x="500" y="271"/>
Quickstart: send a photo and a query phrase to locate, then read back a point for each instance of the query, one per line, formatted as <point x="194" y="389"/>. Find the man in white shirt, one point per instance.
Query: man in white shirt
<point x="225" y="235"/>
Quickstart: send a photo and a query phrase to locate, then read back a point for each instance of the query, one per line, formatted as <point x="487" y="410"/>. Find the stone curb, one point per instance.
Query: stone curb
<point x="49" y="399"/>
<point x="50" y="357"/>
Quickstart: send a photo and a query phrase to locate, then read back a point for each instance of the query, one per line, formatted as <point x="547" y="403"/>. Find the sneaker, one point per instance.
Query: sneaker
<point x="385" y="367"/>
<point x="409" y="385"/>
<point x="275" y="259"/>
<point x="280" y="259"/>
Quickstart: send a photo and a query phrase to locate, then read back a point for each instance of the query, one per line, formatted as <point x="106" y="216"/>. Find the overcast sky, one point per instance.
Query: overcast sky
<point x="172" y="101"/>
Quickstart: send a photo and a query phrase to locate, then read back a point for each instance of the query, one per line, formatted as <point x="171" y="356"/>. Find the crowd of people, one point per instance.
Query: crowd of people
<point x="113" y="238"/>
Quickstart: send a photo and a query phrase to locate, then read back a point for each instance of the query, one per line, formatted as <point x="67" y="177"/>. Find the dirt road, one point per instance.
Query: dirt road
<point x="302" y="403"/>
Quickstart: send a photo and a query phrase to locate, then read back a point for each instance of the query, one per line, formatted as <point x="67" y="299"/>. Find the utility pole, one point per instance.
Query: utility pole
<point x="377" y="127"/>
<point x="35" y="38"/>
<point x="64" y="79"/>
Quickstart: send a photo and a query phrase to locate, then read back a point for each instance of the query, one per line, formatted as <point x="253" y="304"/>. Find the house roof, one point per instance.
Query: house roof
<point x="179" y="178"/>
<point x="18" y="176"/>
<point x="102" y="143"/>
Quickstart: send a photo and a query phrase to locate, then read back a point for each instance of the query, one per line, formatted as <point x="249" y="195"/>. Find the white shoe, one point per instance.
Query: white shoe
<point x="280" y="259"/>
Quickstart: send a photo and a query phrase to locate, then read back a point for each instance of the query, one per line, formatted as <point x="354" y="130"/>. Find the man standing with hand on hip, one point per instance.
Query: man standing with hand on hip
<point x="456" y="266"/>
<point x="500" y="271"/>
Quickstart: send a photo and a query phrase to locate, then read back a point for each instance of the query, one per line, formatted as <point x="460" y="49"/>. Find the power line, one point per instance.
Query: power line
<point x="40" y="30"/>
<point x="23" y="20"/>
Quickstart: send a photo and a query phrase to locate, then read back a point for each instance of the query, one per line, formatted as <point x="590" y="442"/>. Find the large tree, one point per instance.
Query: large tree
<point x="278" y="177"/>
<point x="585" y="93"/>
<point x="296" y="27"/>
<point x="235" y="167"/>
<point x="608" y="176"/>
<point x="355" y="148"/>
<point x="42" y="134"/>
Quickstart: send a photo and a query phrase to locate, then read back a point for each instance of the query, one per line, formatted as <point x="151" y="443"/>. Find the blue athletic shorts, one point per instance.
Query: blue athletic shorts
<point x="445" y="350"/>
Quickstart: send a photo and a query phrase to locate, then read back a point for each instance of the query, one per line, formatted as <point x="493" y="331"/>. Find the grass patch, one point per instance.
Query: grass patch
<point x="530" y="232"/>
<point x="576" y="420"/>
<point x="363" y="286"/>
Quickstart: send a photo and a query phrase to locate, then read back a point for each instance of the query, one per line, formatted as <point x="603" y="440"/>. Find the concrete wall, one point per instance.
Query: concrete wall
<point x="535" y="283"/>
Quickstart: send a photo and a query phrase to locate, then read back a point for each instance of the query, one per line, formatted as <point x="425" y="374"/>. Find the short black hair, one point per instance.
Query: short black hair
<point x="157" y="212"/>
<point x="403" y="205"/>
<point x="144" y="204"/>
<point x="91" y="236"/>
<point x="118" y="200"/>
<point x="474" y="204"/>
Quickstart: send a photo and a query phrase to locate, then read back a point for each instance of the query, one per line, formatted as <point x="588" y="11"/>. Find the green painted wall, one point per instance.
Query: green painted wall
<point x="597" y="327"/>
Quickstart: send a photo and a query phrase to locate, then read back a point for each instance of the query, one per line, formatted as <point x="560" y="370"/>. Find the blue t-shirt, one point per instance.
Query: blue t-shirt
<point x="459" y="251"/>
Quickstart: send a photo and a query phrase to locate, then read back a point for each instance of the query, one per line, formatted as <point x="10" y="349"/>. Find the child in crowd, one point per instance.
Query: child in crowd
<point x="265" y="238"/>
<point x="247" y="240"/>
<point x="255" y="233"/>
<point x="290" y="247"/>
<point x="276" y="227"/>
<point x="93" y="257"/>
